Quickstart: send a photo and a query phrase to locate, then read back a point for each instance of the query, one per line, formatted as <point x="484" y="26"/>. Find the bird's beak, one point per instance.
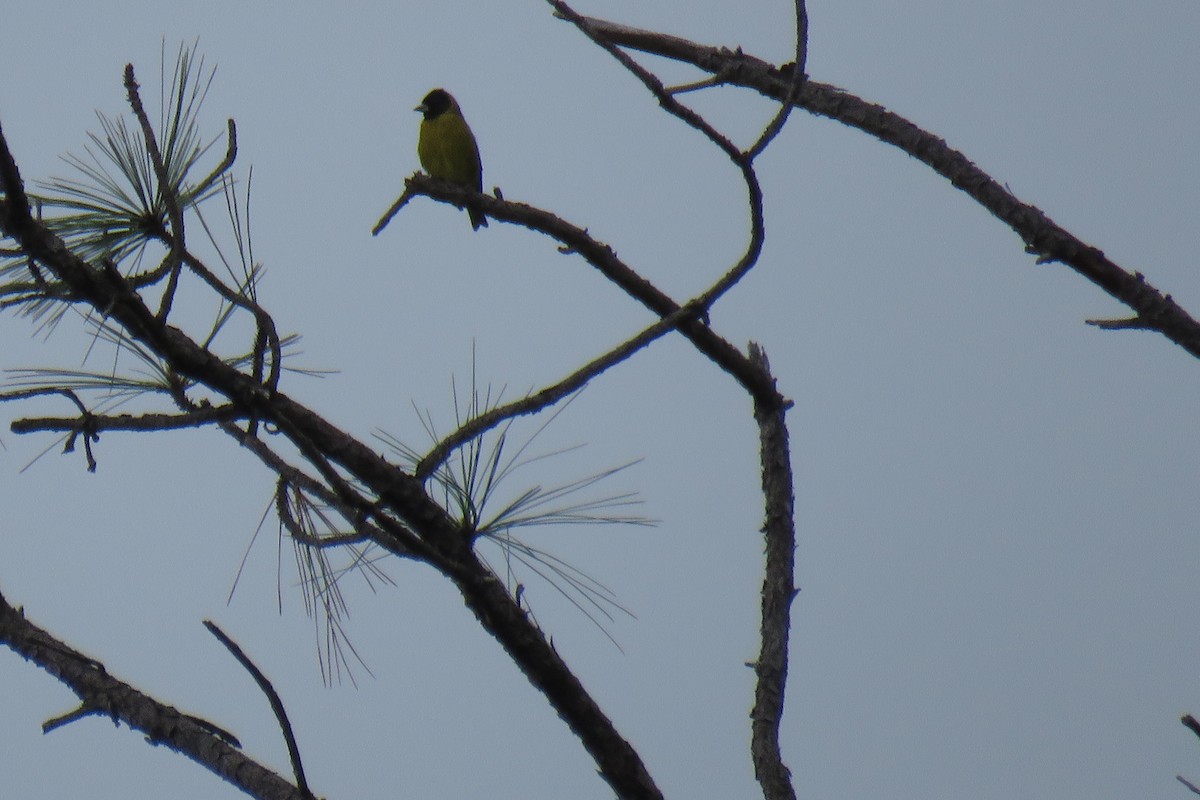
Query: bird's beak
<point x="422" y="108"/>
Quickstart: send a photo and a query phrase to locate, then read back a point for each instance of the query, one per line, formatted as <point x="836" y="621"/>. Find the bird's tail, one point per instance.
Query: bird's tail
<point x="478" y="220"/>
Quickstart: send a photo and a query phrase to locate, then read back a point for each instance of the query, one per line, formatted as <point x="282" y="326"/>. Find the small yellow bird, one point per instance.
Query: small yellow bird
<point x="447" y="147"/>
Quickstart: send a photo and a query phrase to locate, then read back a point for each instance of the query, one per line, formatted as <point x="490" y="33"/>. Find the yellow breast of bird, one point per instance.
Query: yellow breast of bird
<point x="447" y="150"/>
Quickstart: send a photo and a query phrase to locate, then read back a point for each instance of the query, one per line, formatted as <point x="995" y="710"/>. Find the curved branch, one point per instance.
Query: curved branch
<point x="1041" y="235"/>
<point x="266" y="325"/>
<point x="285" y="725"/>
<point x="798" y="78"/>
<point x="227" y="162"/>
<point x="577" y="240"/>
<point x="668" y="102"/>
<point x="174" y="239"/>
<point x="551" y="394"/>
<point x="743" y="161"/>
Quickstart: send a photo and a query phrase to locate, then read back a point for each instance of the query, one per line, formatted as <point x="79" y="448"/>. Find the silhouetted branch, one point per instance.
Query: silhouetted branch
<point x="798" y="77"/>
<point x="551" y="394"/>
<point x="298" y="532"/>
<point x="400" y="203"/>
<point x="1042" y="237"/>
<point x="165" y="190"/>
<point x="744" y="161"/>
<point x="1191" y="724"/>
<point x="95" y="423"/>
<point x="101" y="693"/>
<point x="578" y="241"/>
<point x="778" y="591"/>
<point x="226" y="163"/>
<point x="397" y="492"/>
<point x="264" y="684"/>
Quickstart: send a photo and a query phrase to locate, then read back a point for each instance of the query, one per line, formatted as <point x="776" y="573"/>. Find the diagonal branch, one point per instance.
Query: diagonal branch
<point x="165" y="190"/>
<point x="576" y="240"/>
<point x="743" y="161"/>
<point x="285" y="725"/>
<point x="174" y="240"/>
<point x="798" y="77"/>
<point x="1041" y="235"/>
<point x="665" y="98"/>
<point x="547" y="396"/>
<point x="226" y="163"/>
<point x="162" y="724"/>
<point x="397" y="492"/>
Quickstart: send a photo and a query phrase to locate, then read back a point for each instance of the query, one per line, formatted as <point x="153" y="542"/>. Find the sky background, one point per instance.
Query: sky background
<point x="996" y="505"/>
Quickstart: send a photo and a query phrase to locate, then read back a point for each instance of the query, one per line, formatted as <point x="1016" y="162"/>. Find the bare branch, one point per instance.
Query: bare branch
<point x="798" y="77"/>
<point x="551" y="394"/>
<point x="264" y="684"/>
<point x="42" y="391"/>
<point x="1191" y="723"/>
<point x="226" y="163"/>
<point x="297" y="531"/>
<point x="402" y="201"/>
<point x="356" y="513"/>
<point x="266" y="325"/>
<point x="743" y="161"/>
<point x="1127" y="324"/>
<point x="578" y="241"/>
<point x="669" y="103"/>
<point x="1042" y="237"/>
<point x="778" y="591"/>
<point x="101" y="693"/>
<point x="95" y="423"/>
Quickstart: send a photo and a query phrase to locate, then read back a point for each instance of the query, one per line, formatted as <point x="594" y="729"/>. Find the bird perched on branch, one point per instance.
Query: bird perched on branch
<point x="447" y="147"/>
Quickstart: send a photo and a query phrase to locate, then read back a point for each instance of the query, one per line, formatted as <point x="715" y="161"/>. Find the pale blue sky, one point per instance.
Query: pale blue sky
<point x="996" y="505"/>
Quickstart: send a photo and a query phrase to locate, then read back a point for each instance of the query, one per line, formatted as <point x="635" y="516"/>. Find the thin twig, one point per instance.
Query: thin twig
<point x="798" y="77"/>
<point x="405" y="196"/>
<point x="176" y="243"/>
<point x="41" y="391"/>
<point x="266" y="325"/>
<point x="226" y="163"/>
<point x="1191" y="723"/>
<point x="551" y="394"/>
<point x="669" y="103"/>
<point x="578" y="241"/>
<point x="54" y="723"/>
<point x="273" y="698"/>
<point x="166" y="192"/>
<point x="356" y="514"/>
<point x="743" y="161"/>
<point x="284" y="511"/>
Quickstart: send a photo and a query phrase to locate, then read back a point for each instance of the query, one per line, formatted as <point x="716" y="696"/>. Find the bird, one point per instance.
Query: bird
<point x="447" y="147"/>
